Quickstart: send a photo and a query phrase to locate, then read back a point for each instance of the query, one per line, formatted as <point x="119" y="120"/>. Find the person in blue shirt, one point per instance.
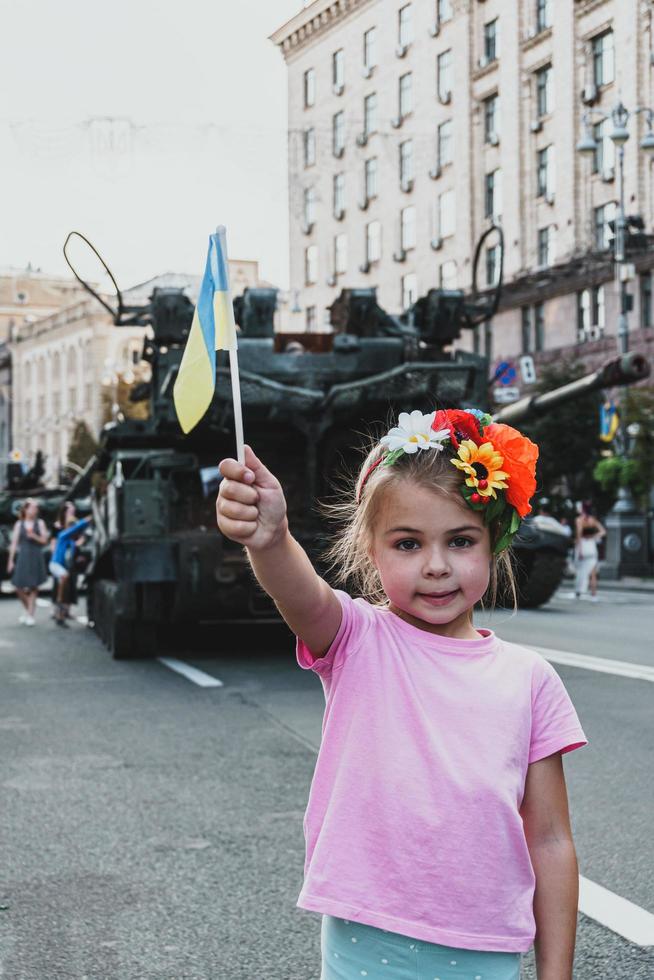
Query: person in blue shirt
<point x="59" y="566"/>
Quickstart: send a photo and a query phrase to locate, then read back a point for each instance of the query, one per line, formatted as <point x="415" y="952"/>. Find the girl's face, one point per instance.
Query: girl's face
<point x="31" y="510"/>
<point x="433" y="556"/>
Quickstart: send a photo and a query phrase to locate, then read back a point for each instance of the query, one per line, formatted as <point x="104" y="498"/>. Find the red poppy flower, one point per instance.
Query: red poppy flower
<point x="461" y="425"/>
<point x="520" y="455"/>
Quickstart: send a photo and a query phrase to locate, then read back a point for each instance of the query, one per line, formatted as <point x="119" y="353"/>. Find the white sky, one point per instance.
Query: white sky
<point x="143" y="124"/>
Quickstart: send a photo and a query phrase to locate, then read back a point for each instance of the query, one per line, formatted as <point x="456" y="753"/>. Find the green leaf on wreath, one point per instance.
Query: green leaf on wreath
<point x="392" y="457"/>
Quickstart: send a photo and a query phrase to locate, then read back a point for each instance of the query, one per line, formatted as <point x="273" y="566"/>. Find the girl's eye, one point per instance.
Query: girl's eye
<point x="461" y="542"/>
<point x="408" y="544"/>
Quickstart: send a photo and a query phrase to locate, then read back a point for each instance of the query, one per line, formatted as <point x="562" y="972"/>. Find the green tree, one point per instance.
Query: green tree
<point x="82" y="445"/>
<point x="568" y="438"/>
<point x="636" y="469"/>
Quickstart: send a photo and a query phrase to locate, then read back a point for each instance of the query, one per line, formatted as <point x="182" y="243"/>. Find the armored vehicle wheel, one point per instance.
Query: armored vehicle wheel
<point x="115" y="614"/>
<point x="538" y="577"/>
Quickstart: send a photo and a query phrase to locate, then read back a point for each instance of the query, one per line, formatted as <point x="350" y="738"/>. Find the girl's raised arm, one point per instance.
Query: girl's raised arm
<point x="251" y="509"/>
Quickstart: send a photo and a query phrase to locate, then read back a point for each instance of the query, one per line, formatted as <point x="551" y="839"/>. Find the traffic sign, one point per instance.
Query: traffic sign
<point x="505" y="395"/>
<point x="505" y="373"/>
<point x="527" y="369"/>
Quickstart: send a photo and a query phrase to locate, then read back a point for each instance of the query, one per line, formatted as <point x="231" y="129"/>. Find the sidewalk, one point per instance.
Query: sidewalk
<point x="626" y="584"/>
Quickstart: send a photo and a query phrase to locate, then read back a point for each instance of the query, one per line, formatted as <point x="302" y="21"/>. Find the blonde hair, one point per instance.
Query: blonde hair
<point x="23" y="507"/>
<point x="354" y="515"/>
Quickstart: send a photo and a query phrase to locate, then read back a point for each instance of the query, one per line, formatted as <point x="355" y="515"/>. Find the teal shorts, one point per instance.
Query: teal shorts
<point x="352" y="951"/>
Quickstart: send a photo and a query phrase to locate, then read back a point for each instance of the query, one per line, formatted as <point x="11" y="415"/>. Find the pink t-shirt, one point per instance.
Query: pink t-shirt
<point x="413" y="821"/>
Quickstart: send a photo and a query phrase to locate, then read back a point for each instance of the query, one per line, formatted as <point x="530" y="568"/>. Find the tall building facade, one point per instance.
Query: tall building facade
<point x="415" y="126"/>
<point x="28" y="294"/>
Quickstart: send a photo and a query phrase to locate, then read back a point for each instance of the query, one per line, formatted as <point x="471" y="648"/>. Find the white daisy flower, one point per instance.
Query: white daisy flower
<point x="414" y="432"/>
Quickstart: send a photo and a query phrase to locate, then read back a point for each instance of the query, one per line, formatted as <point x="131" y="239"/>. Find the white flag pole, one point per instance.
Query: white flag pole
<point x="238" y="413"/>
<point x="233" y="358"/>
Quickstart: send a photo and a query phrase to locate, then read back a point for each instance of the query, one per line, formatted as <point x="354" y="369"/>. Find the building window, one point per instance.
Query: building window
<point x="489" y="194"/>
<point x="603" y="59"/>
<point x="309" y="206"/>
<point x="311" y="318"/>
<point x="590" y="314"/>
<point x="370" y="173"/>
<point x="491" y="118"/>
<point x="309" y="147"/>
<point x="405" y="26"/>
<point x="405" y="95"/>
<point x="546" y="246"/>
<point x="492" y="265"/>
<point x="447" y="276"/>
<point x="603" y="233"/>
<point x="604" y="155"/>
<point x="544" y="91"/>
<point x="493" y="195"/>
<point x="338" y="69"/>
<point x="491" y="40"/>
<point x="443" y="10"/>
<point x="446" y="216"/>
<point x="370" y="48"/>
<point x="373" y="241"/>
<point x="545" y="171"/>
<point x="539" y="326"/>
<point x="444" y="75"/>
<point x="526" y="329"/>
<point x="340" y="254"/>
<point x="311" y="265"/>
<point x="409" y="290"/>
<point x="338" y="134"/>
<point x="488" y="339"/>
<point x="370" y="114"/>
<point x="309" y="88"/>
<point x="408" y="228"/>
<point x="646" y="300"/>
<point x="339" y="195"/>
<point x="444" y="140"/>
<point x="406" y="162"/>
<point x="543" y="14"/>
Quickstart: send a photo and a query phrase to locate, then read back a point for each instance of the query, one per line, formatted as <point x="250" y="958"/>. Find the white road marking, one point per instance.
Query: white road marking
<point x="623" y="668"/>
<point x="618" y="914"/>
<point x="191" y="673"/>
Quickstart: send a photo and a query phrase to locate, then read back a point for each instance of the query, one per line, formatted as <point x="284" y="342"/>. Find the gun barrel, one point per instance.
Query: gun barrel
<point x="623" y="370"/>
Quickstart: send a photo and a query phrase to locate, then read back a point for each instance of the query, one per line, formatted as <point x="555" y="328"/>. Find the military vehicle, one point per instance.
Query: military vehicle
<point x="159" y="559"/>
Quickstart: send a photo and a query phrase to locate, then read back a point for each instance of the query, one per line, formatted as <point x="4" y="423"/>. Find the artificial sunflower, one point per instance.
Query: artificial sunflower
<point x="482" y="466"/>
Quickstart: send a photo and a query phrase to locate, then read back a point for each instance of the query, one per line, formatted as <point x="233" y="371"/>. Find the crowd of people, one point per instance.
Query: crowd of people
<point x="30" y="542"/>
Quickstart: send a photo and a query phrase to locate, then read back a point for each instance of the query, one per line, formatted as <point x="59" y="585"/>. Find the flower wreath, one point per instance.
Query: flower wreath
<point x="497" y="462"/>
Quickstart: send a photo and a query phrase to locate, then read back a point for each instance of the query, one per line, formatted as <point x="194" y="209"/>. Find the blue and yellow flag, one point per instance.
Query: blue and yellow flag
<point x="609" y="421"/>
<point x="213" y="329"/>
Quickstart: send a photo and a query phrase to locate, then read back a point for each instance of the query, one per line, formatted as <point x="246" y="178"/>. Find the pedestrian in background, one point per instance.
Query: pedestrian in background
<point x="588" y="532"/>
<point x="26" y="563"/>
<point x="62" y="561"/>
<point x="438" y="807"/>
<point x="66" y="516"/>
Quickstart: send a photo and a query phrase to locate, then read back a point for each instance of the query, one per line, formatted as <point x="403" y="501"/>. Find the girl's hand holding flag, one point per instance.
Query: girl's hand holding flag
<point x="251" y="508"/>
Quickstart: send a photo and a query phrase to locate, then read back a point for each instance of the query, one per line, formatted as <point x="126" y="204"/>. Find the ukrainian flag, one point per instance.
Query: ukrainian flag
<point x="213" y="328"/>
<point x="609" y="421"/>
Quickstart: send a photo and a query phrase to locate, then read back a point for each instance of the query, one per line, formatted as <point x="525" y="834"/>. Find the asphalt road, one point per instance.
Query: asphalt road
<point x="151" y="829"/>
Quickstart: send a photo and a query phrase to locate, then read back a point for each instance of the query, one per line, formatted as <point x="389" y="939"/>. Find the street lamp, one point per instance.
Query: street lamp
<point x="626" y="546"/>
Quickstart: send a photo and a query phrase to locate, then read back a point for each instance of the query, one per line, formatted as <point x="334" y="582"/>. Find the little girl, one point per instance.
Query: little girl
<point x="438" y="841"/>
